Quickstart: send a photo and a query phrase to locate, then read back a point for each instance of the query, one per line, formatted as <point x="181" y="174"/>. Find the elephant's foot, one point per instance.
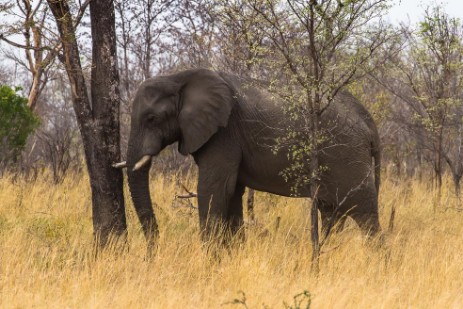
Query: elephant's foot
<point x="224" y="233"/>
<point x="369" y="224"/>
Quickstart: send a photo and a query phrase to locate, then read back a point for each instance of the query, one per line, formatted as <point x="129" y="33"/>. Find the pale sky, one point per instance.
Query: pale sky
<point x="404" y="10"/>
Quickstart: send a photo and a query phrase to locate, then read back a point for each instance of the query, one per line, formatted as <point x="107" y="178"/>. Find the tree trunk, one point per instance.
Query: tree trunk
<point x="108" y="198"/>
<point x="250" y="203"/>
<point x="314" y="186"/>
<point x="98" y="122"/>
<point x="456" y="182"/>
<point x="314" y="103"/>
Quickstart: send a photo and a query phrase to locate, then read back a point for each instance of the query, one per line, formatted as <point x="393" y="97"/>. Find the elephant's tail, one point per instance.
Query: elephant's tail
<point x="376" y="154"/>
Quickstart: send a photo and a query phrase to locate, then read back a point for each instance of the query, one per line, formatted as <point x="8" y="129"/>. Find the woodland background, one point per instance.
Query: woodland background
<point x="410" y="81"/>
<point x="413" y="87"/>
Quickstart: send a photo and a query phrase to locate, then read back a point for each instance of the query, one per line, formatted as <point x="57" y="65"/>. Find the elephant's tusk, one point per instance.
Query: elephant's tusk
<point x="122" y="164"/>
<point x="145" y="159"/>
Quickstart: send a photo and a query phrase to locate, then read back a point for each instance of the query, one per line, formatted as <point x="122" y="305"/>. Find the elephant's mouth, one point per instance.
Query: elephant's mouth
<point x="142" y="162"/>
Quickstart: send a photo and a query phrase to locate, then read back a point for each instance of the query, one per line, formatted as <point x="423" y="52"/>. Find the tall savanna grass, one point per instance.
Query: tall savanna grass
<point x="46" y="254"/>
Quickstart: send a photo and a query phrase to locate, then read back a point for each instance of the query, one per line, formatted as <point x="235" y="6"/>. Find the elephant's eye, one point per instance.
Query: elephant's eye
<point x="150" y="119"/>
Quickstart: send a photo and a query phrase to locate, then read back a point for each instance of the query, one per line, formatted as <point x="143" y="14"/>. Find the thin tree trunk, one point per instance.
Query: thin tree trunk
<point x="438" y="184"/>
<point x="314" y="193"/>
<point x="314" y="102"/>
<point x="34" y="92"/>
<point x="439" y="166"/>
<point x="419" y="160"/>
<point x="250" y="203"/>
<point x="315" y="238"/>
<point x="456" y="182"/>
<point x="126" y="74"/>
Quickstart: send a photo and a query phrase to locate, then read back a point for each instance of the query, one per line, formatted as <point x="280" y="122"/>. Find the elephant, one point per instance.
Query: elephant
<point x="229" y="125"/>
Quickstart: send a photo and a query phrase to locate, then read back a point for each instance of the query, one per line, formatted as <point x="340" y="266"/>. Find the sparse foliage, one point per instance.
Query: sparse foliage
<point x="426" y="79"/>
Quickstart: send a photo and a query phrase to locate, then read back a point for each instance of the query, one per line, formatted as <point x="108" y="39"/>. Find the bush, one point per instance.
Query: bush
<point x="17" y="122"/>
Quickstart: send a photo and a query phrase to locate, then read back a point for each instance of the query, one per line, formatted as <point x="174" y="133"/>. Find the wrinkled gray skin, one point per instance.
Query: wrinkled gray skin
<point x="229" y="127"/>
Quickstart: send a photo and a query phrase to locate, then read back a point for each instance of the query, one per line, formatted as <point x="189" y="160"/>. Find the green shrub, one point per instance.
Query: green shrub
<point x="17" y="122"/>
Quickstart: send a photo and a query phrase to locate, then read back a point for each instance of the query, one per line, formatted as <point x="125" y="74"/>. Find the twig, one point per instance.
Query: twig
<point x="459" y="209"/>
<point x="330" y="249"/>
<point x="391" y="219"/>
<point x="185" y="196"/>
<point x="189" y="195"/>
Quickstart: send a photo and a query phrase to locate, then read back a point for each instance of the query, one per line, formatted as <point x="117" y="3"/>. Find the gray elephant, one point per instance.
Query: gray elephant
<point x="230" y="126"/>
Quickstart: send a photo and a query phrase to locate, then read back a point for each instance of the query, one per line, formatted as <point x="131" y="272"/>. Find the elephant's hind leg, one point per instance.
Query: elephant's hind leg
<point x="368" y="222"/>
<point x="235" y="212"/>
<point x="332" y="219"/>
<point x="365" y="212"/>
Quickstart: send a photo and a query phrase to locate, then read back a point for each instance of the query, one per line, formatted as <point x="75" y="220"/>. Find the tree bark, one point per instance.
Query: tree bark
<point x="98" y="119"/>
<point x="108" y="204"/>
<point x="250" y="203"/>
<point x="456" y="182"/>
<point x="314" y="103"/>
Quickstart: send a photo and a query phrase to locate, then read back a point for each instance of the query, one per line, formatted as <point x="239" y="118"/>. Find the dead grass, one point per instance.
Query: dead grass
<point x="46" y="255"/>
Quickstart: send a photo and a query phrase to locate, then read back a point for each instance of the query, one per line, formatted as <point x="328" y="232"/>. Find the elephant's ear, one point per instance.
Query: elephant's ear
<point x="206" y="102"/>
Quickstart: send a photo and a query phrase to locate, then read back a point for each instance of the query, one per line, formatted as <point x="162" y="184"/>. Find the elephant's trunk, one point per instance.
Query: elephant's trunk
<point x="139" y="190"/>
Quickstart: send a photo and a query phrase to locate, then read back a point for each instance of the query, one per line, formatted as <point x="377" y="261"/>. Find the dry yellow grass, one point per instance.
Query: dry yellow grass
<point x="46" y="260"/>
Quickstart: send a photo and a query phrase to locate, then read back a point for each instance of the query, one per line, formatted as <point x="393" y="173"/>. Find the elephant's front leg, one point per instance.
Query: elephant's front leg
<point x="218" y="191"/>
<point x="220" y="206"/>
<point x="219" y="202"/>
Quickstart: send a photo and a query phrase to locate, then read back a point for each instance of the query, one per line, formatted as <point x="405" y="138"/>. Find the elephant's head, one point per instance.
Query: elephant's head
<point x="188" y="107"/>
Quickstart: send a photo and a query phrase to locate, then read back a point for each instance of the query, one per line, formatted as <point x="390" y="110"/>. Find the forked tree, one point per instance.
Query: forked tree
<point x="97" y="111"/>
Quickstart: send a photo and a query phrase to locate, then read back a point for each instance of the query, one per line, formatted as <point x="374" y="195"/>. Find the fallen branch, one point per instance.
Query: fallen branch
<point x="189" y="195"/>
<point x="184" y="196"/>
